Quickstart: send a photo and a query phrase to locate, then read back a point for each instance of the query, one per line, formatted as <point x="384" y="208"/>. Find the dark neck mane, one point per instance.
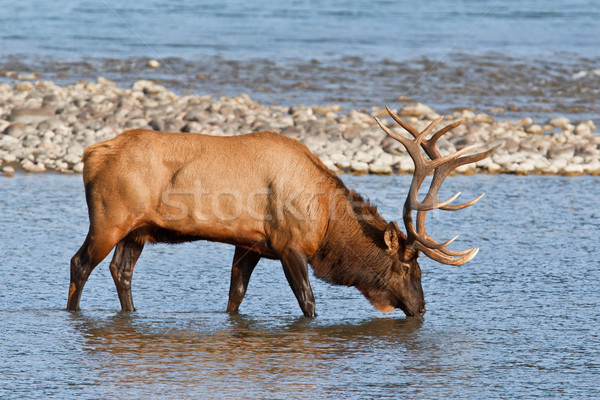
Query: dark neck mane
<point x="353" y="252"/>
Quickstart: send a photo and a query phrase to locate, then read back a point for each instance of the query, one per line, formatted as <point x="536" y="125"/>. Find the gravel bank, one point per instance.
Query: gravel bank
<point x="45" y="127"/>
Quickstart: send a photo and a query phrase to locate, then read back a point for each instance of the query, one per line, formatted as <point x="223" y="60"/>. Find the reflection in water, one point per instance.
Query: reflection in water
<point x="244" y="354"/>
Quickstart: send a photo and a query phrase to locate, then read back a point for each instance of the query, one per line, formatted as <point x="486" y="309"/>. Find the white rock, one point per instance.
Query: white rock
<point x="8" y="140"/>
<point x="511" y="167"/>
<point x="385" y="159"/>
<point x="526" y="166"/>
<point x="29" y="166"/>
<point x="541" y="163"/>
<point x="526" y="121"/>
<point x="466" y="115"/>
<point x="153" y="64"/>
<point x="483" y="118"/>
<point x="560" y="122"/>
<point x="359" y="166"/>
<point x="583" y="129"/>
<point x="78" y="167"/>
<point x="486" y="163"/>
<point x="560" y="163"/>
<point x="492" y="167"/>
<point x="501" y="159"/>
<point x="577" y="160"/>
<point x="330" y="164"/>
<point x="575" y="169"/>
<point x="76" y="150"/>
<point x="59" y="164"/>
<point x="534" y="129"/>
<point x="72" y="158"/>
<point x="565" y="152"/>
<point x="377" y="168"/>
<point x="48" y="134"/>
<point x="592" y="167"/>
<point x="406" y="164"/>
<point x="9" y="158"/>
<point x="589" y="123"/>
<point x="359" y="117"/>
<point x="363" y="156"/>
<point x="336" y="156"/>
<point x="286" y="120"/>
<point x="415" y="110"/>
<point x="464" y="168"/>
<point x="24" y="86"/>
<point x="343" y="164"/>
<point x="106" y="82"/>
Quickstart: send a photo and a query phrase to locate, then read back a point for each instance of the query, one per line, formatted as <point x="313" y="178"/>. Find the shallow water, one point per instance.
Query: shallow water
<point x="519" y="321"/>
<point x="536" y="59"/>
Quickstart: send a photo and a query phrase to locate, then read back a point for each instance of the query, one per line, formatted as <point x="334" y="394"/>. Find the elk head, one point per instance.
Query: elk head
<point x="404" y="287"/>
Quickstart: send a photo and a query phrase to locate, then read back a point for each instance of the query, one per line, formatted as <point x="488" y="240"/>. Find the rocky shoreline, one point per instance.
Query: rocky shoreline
<point x="45" y="127"/>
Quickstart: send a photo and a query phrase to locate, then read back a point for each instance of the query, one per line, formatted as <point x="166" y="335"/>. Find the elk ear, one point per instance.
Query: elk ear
<point x="392" y="236"/>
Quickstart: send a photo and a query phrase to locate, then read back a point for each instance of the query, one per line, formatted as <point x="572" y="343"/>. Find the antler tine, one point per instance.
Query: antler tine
<point x="441" y="166"/>
<point x="413" y="131"/>
<point x="442" y="172"/>
<point x="430" y="242"/>
<point x="412" y="146"/>
<point x="455" y="159"/>
<point x="428" y="145"/>
<point x="448" y="260"/>
<point x="392" y="134"/>
<point x="420" y="235"/>
<point x="430" y="203"/>
<point x="438" y="251"/>
<point x="473" y="157"/>
<point x="431" y="142"/>
<point x="463" y="205"/>
<point x="430" y="127"/>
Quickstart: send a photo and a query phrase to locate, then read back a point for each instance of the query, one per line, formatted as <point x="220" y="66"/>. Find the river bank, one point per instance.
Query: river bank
<point x="46" y="127"/>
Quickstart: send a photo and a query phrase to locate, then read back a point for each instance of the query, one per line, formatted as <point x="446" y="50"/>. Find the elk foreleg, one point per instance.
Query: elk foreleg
<point x="244" y="262"/>
<point x="126" y="255"/>
<point x="295" y="267"/>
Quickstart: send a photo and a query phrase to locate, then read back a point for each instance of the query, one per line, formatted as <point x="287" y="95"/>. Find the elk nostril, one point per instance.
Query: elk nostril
<point x="422" y="311"/>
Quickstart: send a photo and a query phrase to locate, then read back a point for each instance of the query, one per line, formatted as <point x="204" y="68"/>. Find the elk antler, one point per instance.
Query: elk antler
<point x="441" y="166"/>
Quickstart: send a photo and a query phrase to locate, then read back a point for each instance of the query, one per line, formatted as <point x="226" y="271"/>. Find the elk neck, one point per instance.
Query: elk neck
<point x="352" y="251"/>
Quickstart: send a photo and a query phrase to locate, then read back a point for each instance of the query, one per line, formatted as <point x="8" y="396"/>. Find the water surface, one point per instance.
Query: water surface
<point x="519" y="321"/>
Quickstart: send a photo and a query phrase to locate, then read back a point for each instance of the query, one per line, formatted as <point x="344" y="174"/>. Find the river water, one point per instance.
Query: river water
<point x="519" y="321"/>
<point x="530" y="58"/>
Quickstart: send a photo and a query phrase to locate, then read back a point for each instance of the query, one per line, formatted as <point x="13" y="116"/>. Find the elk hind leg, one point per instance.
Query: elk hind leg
<point x="243" y="264"/>
<point x="126" y="254"/>
<point x="94" y="249"/>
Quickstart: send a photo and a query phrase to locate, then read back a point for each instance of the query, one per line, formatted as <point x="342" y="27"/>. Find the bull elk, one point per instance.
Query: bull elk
<point x="269" y="196"/>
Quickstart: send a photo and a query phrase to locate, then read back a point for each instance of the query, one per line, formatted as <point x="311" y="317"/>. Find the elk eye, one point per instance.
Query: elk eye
<point x="400" y="269"/>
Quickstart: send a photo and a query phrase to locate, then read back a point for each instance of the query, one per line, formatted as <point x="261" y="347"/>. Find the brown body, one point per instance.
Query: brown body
<point x="264" y="193"/>
<point x="178" y="182"/>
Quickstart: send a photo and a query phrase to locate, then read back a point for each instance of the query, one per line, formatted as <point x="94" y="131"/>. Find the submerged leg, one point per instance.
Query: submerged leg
<point x="244" y="262"/>
<point x="126" y="255"/>
<point x="295" y="267"/>
<point x="91" y="253"/>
